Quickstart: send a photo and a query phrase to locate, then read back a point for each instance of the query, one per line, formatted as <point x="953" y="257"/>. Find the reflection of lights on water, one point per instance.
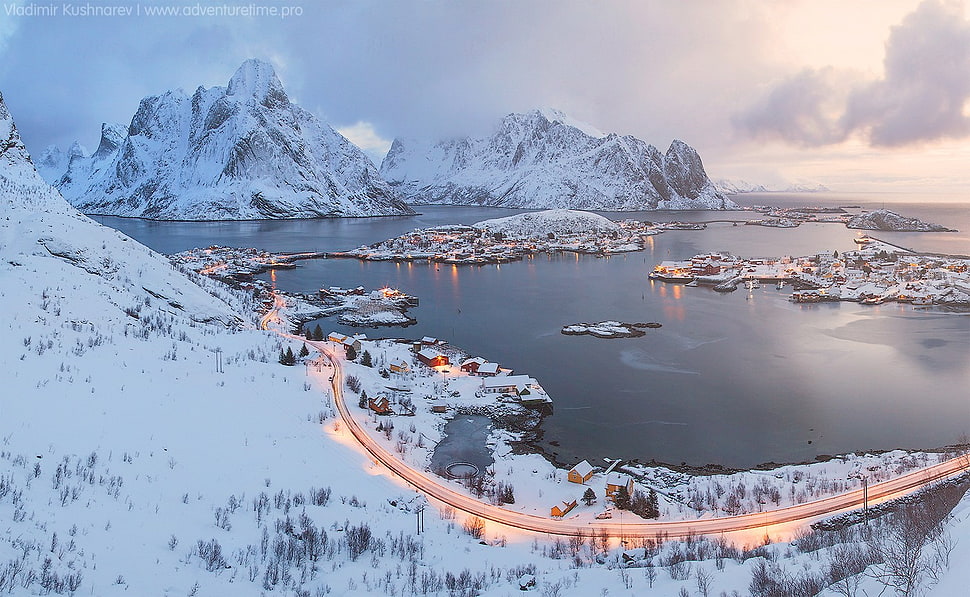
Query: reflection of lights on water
<point x="677" y="292"/>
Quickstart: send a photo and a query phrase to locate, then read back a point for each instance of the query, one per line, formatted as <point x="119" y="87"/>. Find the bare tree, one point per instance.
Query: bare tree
<point x="914" y="547"/>
<point x="845" y="566"/>
<point x="704" y="580"/>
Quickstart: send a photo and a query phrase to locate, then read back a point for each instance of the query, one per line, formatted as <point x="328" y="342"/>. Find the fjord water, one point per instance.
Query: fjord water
<point x="734" y="379"/>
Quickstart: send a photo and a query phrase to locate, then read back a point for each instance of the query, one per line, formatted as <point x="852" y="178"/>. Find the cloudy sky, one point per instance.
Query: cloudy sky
<point x="858" y="95"/>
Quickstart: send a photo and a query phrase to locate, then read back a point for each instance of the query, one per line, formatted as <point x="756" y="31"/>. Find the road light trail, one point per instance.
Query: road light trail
<point x="801" y="513"/>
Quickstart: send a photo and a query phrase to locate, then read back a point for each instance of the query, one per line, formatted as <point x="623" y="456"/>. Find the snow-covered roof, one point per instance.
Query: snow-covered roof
<point x="583" y="469"/>
<point x="508" y="380"/>
<point x="487" y="367"/>
<point x="429" y="353"/>
<point x="618" y="479"/>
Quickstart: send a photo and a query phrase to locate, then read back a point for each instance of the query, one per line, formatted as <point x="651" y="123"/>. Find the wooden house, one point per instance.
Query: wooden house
<point x="399" y="366"/>
<point x="345" y="340"/>
<point x="580" y="473"/>
<point x="380" y="405"/>
<point x="432" y="358"/>
<point x="614" y="481"/>
<point x="560" y="510"/>
<point x="470" y="366"/>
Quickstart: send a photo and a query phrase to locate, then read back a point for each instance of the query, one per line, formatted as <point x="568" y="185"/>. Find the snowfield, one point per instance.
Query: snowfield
<point x="151" y="444"/>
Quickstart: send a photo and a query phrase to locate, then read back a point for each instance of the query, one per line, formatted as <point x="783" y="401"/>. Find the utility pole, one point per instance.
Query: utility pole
<point x="420" y="514"/>
<point x="865" y="495"/>
<point x="219" y="360"/>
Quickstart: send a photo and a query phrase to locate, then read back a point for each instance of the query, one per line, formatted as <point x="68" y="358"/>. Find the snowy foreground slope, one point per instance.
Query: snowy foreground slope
<point x="543" y="160"/>
<point x="239" y="152"/>
<point x="130" y="464"/>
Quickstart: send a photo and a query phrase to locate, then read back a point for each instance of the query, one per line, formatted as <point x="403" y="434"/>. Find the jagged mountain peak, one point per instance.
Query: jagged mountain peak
<point x="542" y="159"/>
<point x="15" y="162"/>
<point x="77" y="151"/>
<point x="255" y="78"/>
<point x="227" y="153"/>
<point x="112" y="136"/>
<point x="553" y="115"/>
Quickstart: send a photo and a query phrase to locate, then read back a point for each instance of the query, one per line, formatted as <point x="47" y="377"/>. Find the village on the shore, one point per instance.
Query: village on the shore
<point x="876" y="272"/>
<point x="405" y="392"/>
<point x="356" y="307"/>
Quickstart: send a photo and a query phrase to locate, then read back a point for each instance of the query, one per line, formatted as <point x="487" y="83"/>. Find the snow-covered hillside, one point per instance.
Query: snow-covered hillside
<point x="543" y="159"/>
<point x="151" y="444"/>
<point x="554" y="221"/>
<point x="226" y="153"/>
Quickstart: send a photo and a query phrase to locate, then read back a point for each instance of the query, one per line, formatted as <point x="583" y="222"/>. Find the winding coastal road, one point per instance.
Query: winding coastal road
<point x="799" y="514"/>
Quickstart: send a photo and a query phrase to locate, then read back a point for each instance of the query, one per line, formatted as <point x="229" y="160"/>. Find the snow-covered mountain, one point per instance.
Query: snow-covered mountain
<point x="543" y="160"/>
<point x="226" y="153"/>
<point x="736" y="186"/>
<point x="538" y="224"/>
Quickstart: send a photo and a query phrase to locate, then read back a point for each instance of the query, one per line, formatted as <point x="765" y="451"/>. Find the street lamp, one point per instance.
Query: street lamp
<point x="865" y="494"/>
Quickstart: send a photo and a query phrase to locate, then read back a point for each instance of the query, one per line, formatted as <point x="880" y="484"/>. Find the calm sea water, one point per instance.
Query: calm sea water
<point x="736" y="379"/>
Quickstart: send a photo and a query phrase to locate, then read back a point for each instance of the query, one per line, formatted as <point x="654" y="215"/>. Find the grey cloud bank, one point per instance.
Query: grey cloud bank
<point x="920" y="98"/>
<point x="707" y="73"/>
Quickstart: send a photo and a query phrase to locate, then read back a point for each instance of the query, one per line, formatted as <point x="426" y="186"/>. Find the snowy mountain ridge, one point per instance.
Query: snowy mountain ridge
<point x="737" y="186"/>
<point x="226" y="153"/>
<point x="543" y="159"/>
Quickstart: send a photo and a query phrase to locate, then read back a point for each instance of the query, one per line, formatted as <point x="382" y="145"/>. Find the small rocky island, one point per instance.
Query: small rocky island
<point x="608" y="329"/>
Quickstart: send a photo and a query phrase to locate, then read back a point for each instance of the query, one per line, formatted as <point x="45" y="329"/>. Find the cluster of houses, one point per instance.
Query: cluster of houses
<point x="467" y="245"/>
<point x="875" y="273"/>
<point x="584" y="472"/>
<point x="347" y="342"/>
<point x="495" y="380"/>
<point x="234" y="263"/>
